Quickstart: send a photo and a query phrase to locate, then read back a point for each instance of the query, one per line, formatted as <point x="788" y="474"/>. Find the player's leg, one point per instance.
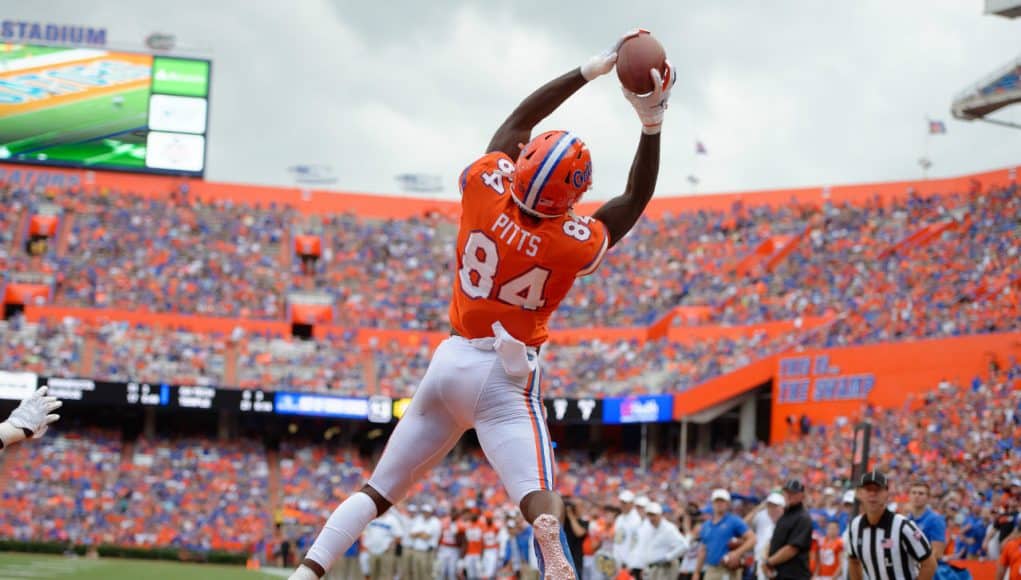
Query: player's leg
<point x="448" y="563"/>
<point x="426" y="433"/>
<point x="376" y="566"/>
<point x="512" y="430"/>
<point x="489" y="564"/>
<point x="473" y="567"/>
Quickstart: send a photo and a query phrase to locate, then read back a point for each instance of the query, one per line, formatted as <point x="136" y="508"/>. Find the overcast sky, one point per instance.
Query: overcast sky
<point x="782" y="92"/>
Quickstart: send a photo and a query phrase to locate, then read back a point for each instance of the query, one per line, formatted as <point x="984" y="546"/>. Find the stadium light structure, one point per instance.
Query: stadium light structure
<point x="1005" y="8"/>
<point x="989" y="94"/>
<point x="998" y="89"/>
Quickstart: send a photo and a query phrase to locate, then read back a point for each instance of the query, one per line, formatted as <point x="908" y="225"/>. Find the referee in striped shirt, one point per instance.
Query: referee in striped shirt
<point x="885" y="545"/>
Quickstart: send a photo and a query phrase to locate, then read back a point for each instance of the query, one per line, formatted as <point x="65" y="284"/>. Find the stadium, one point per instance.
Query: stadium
<point x="234" y="353"/>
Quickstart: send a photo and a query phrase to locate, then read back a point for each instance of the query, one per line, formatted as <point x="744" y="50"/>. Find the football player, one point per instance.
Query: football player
<point x="519" y="249"/>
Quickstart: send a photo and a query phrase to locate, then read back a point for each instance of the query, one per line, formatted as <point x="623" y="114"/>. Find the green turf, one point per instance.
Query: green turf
<point x="25" y="51"/>
<point x="59" y="129"/>
<point x="125" y="150"/>
<point x="39" y="567"/>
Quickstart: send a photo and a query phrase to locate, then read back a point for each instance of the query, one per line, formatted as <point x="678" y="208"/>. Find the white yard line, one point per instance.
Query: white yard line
<point x="61" y="57"/>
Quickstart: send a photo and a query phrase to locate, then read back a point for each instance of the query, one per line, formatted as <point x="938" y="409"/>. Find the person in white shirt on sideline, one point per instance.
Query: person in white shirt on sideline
<point x="762" y="520"/>
<point x="848" y="506"/>
<point x="691" y="527"/>
<point x="380" y="540"/>
<point x="406" y="556"/>
<point x="633" y="564"/>
<point x="419" y="542"/>
<point x="624" y="527"/>
<point x="660" y="545"/>
<point x="433" y="528"/>
<point x="30" y="419"/>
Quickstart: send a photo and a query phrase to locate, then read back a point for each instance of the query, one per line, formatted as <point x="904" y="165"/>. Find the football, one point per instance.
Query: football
<point x="635" y="58"/>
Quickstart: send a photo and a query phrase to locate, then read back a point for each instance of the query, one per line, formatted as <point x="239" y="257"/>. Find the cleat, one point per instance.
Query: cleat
<point x="547" y="534"/>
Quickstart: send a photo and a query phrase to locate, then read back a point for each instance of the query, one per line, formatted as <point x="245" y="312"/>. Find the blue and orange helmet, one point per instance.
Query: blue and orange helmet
<point x="551" y="174"/>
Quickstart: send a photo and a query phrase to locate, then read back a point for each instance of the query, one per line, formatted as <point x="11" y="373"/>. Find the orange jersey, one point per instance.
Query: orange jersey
<point x="473" y="537"/>
<point x="513" y="268"/>
<point x="829" y="556"/>
<point x="1010" y="558"/>
<point x="450" y="532"/>
<point x="596" y="531"/>
<point x="490" y="537"/>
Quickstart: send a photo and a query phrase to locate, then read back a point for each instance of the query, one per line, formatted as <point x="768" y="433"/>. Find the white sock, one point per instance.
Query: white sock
<point x="343" y="527"/>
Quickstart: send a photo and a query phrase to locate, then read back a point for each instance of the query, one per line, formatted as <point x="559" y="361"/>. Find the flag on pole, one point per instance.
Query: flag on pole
<point x="700" y="148"/>
<point x="937" y="127"/>
<point x="692" y="180"/>
<point x="925" y="163"/>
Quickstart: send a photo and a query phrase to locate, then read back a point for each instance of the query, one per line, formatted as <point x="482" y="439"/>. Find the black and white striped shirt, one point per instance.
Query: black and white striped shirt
<point x="889" y="550"/>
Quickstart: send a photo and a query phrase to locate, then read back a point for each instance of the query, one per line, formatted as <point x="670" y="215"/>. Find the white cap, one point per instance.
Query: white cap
<point x="721" y="494"/>
<point x="829" y="491"/>
<point x="626" y="496"/>
<point x="654" y="508"/>
<point x="470" y="504"/>
<point x="412" y="508"/>
<point x="849" y="496"/>
<point x="427" y="509"/>
<point x="642" y="501"/>
<point x="776" y="499"/>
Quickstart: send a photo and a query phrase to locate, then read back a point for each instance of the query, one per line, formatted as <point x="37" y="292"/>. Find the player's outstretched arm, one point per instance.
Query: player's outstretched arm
<point x="517" y="129"/>
<point x="31" y="419"/>
<point x="621" y="213"/>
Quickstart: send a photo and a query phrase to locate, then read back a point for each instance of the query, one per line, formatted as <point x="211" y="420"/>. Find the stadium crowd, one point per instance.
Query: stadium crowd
<point x="201" y="494"/>
<point x="221" y="259"/>
<point x="942" y="265"/>
<point x="339" y="364"/>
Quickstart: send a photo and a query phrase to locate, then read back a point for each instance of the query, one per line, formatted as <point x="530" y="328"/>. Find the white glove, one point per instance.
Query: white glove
<point x="35" y="413"/>
<point x="603" y="62"/>
<point x="651" y="106"/>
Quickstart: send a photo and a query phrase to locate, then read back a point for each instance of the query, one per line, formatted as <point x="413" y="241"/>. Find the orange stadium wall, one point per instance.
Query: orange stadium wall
<point x="379" y="206"/>
<point x="722" y="388"/>
<point x="884" y="375"/>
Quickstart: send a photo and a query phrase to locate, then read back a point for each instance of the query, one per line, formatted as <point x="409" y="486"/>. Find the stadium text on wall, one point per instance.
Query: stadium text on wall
<point x="49" y="33"/>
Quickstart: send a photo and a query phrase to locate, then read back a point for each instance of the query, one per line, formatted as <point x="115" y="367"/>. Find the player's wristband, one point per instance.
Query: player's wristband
<point x="9" y="434"/>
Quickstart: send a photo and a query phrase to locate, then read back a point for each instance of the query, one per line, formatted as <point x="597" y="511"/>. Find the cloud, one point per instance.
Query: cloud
<point x="785" y="93"/>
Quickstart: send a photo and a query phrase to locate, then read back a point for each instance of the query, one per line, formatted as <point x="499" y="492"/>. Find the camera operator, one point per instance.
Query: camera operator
<point x="575" y="528"/>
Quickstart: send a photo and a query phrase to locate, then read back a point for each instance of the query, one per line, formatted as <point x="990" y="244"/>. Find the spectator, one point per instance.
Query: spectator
<point x="762" y="520"/>
<point x="792" y="538"/>
<point x="932" y="524"/>
<point x="715" y="560"/>
<point x="576" y="530"/>
<point x="831" y="564"/>
<point x="660" y="545"/>
<point x="625" y="529"/>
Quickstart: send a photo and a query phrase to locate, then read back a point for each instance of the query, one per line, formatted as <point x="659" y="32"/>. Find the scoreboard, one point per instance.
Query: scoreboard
<point x="15" y="386"/>
<point x="138" y="394"/>
<point x="102" y="109"/>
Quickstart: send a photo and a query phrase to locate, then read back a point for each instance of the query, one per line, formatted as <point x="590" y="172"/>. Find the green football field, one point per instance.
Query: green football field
<point x="40" y="567"/>
<point x="10" y="52"/>
<point x="102" y="130"/>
